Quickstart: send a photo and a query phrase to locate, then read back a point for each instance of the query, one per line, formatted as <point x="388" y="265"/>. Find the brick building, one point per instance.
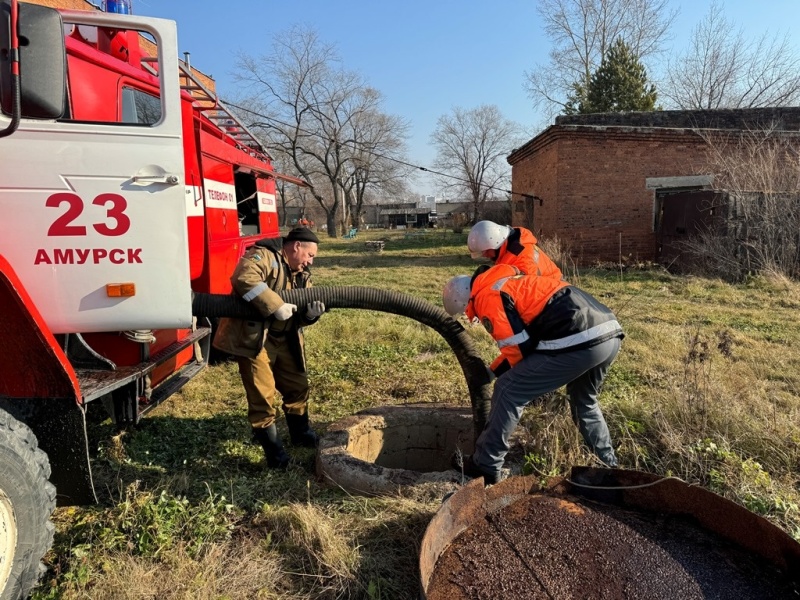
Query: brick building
<point x="66" y="4"/>
<point x="625" y="185"/>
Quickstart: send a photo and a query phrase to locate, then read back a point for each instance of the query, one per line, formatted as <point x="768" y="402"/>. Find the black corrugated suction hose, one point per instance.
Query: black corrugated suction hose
<point x="398" y="303"/>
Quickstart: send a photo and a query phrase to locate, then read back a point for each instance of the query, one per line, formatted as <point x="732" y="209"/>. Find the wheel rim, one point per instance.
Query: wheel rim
<point x="8" y="538"/>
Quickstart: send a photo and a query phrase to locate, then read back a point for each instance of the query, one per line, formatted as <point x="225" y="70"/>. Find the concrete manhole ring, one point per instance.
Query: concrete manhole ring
<point x="396" y="450"/>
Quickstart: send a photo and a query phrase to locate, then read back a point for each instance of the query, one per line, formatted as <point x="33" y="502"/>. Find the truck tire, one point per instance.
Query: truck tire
<point x="27" y="500"/>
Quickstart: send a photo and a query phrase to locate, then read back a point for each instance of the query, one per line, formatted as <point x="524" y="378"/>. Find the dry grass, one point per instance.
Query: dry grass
<point x="241" y="568"/>
<point x="306" y="542"/>
<point x="707" y="387"/>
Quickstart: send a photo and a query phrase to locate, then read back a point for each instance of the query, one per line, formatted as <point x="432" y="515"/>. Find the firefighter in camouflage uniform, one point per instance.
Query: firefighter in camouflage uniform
<point x="270" y="351"/>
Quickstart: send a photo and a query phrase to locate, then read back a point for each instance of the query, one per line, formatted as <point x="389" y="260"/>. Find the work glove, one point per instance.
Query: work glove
<point x="314" y="310"/>
<point x="285" y="311"/>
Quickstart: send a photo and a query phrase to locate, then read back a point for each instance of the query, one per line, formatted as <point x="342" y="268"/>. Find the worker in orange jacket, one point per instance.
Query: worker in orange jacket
<point x="516" y="246"/>
<point x="550" y="334"/>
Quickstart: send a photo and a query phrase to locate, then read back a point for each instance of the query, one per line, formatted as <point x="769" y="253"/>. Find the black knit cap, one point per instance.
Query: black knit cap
<point x="300" y="234"/>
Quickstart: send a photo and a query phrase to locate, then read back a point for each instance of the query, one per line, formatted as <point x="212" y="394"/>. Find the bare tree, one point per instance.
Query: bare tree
<point x="377" y="162"/>
<point x="721" y="69"/>
<point x="283" y="197"/>
<point x="582" y="31"/>
<point x="759" y="170"/>
<point x="286" y="193"/>
<point x="310" y="108"/>
<point x="471" y="147"/>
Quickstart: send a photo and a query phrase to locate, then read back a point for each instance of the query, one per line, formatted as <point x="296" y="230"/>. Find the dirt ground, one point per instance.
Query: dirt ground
<point x="567" y="547"/>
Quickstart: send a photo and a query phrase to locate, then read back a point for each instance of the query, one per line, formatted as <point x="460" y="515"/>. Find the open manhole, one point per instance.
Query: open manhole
<point x="399" y="450"/>
<point x="611" y="534"/>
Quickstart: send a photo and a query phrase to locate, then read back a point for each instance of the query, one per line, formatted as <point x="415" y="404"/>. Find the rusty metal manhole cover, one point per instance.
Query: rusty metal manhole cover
<point x="679" y="541"/>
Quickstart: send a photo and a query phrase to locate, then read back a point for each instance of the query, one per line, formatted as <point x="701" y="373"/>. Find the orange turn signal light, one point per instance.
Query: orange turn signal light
<point x="120" y="290"/>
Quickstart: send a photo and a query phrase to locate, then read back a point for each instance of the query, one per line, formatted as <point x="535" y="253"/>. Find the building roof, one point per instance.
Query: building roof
<point x="445" y="208"/>
<point x="665" y="123"/>
<point x="784" y="118"/>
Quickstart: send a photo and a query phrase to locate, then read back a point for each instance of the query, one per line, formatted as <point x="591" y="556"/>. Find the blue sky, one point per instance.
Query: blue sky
<point x="425" y="57"/>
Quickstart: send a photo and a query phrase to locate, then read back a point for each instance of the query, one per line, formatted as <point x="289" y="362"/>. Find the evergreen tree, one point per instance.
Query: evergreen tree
<point x="575" y="99"/>
<point x="619" y="84"/>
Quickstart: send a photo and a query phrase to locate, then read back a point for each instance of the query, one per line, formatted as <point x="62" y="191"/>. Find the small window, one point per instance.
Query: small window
<point x="247" y="203"/>
<point x="140" y="107"/>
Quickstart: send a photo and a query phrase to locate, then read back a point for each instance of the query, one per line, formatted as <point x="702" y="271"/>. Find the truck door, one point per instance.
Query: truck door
<point x="97" y="198"/>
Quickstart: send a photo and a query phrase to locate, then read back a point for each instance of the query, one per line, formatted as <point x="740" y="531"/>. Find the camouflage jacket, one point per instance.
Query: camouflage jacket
<point x="259" y="274"/>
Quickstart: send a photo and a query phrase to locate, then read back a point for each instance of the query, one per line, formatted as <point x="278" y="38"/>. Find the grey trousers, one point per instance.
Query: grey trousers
<point x="582" y="371"/>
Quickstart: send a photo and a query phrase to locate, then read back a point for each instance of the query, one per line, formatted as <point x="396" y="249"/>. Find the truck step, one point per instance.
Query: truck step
<point x="95" y="383"/>
<point x="172" y="385"/>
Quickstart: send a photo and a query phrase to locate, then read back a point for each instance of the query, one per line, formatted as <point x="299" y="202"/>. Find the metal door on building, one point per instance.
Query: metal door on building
<point x="681" y="215"/>
<point x="523" y="212"/>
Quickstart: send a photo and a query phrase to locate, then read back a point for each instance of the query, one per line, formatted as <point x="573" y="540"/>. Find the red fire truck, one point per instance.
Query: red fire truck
<point x="125" y="186"/>
<point x="128" y="192"/>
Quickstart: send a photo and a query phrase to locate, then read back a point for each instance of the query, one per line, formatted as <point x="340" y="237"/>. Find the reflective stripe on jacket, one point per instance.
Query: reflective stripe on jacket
<point x="526" y="314"/>
<point x="520" y="251"/>
<point x="258" y="276"/>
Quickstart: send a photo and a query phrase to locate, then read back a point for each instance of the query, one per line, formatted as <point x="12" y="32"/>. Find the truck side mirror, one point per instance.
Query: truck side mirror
<point x="42" y="59"/>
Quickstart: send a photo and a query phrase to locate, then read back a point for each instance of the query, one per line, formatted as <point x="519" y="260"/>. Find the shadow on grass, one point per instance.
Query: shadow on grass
<point x="389" y="566"/>
<point x="410" y="238"/>
<point x="198" y="457"/>
<point x="395" y="261"/>
<point x="194" y="457"/>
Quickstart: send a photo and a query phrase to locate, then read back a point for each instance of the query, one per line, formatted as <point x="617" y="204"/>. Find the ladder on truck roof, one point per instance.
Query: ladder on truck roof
<point x="208" y="103"/>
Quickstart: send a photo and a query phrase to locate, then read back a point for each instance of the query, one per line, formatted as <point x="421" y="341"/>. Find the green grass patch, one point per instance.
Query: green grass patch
<point x="706" y="388"/>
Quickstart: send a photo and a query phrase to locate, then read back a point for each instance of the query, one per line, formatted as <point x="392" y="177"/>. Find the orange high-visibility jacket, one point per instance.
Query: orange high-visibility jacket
<point x="520" y="251"/>
<point x="528" y="313"/>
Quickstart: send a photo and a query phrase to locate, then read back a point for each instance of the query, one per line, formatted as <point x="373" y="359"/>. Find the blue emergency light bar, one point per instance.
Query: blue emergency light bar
<point x="121" y="7"/>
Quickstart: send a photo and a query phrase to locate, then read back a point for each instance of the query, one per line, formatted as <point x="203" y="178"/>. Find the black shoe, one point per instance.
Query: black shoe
<point x="273" y="449"/>
<point x="300" y="432"/>
<point x="611" y="463"/>
<point x="470" y="469"/>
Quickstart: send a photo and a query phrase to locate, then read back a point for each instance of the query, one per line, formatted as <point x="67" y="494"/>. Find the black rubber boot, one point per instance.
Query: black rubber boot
<point x="273" y="449"/>
<point x="300" y="432"/>
<point x="470" y="469"/>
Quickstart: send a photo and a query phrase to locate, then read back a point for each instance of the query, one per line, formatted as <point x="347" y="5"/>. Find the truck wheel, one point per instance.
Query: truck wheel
<point x="27" y="500"/>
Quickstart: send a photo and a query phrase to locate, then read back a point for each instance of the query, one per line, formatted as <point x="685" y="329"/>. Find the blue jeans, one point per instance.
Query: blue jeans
<point x="582" y="371"/>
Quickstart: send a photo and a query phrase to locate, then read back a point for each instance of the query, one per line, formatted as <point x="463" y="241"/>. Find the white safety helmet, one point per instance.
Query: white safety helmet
<point x="486" y="235"/>
<point x="455" y="295"/>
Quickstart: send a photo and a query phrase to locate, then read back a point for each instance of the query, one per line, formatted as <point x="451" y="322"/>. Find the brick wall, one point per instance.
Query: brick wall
<point x="539" y="180"/>
<point x="592" y="185"/>
<point x="67" y="4"/>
